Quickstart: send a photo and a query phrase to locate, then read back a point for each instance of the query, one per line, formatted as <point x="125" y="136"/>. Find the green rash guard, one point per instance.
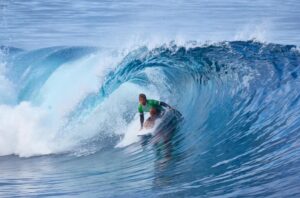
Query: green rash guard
<point x="150" y="104"/>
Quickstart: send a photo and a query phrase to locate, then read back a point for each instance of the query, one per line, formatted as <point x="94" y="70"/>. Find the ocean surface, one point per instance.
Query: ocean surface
<point x="71" y="73"/>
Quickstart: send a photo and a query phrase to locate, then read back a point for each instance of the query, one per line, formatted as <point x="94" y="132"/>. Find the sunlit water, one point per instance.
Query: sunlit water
<point x="71" y="72"/>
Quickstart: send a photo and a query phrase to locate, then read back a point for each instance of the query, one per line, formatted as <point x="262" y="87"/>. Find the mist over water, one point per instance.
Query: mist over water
<point x="71" y="73"/>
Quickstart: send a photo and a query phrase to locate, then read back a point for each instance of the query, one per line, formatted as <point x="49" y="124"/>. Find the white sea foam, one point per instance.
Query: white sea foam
<point x="24" y="130"/>
<point x="254" y="31"/>
<point x="36" y="127"/>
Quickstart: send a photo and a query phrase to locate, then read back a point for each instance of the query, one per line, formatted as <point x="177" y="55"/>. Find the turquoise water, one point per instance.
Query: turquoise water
<point x="71" y="72"/>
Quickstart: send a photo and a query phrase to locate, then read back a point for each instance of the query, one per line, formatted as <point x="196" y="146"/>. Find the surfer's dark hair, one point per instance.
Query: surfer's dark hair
<point x="142" y="96"/>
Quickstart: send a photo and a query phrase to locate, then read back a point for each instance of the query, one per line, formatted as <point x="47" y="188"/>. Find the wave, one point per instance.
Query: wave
<point x="240" y="99"/>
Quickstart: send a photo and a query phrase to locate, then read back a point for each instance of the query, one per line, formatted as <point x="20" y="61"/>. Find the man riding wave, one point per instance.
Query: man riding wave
<point x="147" y="105"/>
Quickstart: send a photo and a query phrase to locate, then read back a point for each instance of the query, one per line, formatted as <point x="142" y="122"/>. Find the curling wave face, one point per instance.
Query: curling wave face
<point x="239" y="136"/>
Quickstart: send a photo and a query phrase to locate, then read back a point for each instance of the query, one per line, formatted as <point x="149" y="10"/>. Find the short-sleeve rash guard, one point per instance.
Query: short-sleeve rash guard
<point x="149" y="104"/>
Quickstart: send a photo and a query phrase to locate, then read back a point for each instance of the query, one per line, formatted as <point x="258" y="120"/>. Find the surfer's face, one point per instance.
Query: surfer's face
<point x="142" y="100"/>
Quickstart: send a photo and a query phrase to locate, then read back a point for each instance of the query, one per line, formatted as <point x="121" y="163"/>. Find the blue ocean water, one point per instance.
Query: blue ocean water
<point x="71" y="73"/>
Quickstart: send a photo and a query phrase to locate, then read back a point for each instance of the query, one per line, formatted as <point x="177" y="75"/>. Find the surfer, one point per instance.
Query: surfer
<point x="145" y="105"/>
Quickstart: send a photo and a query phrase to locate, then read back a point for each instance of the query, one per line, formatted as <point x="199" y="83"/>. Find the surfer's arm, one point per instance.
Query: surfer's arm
<point x="140" y="110"/>
<point x="142" y="119"/>
<point x="165" y="105"/>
